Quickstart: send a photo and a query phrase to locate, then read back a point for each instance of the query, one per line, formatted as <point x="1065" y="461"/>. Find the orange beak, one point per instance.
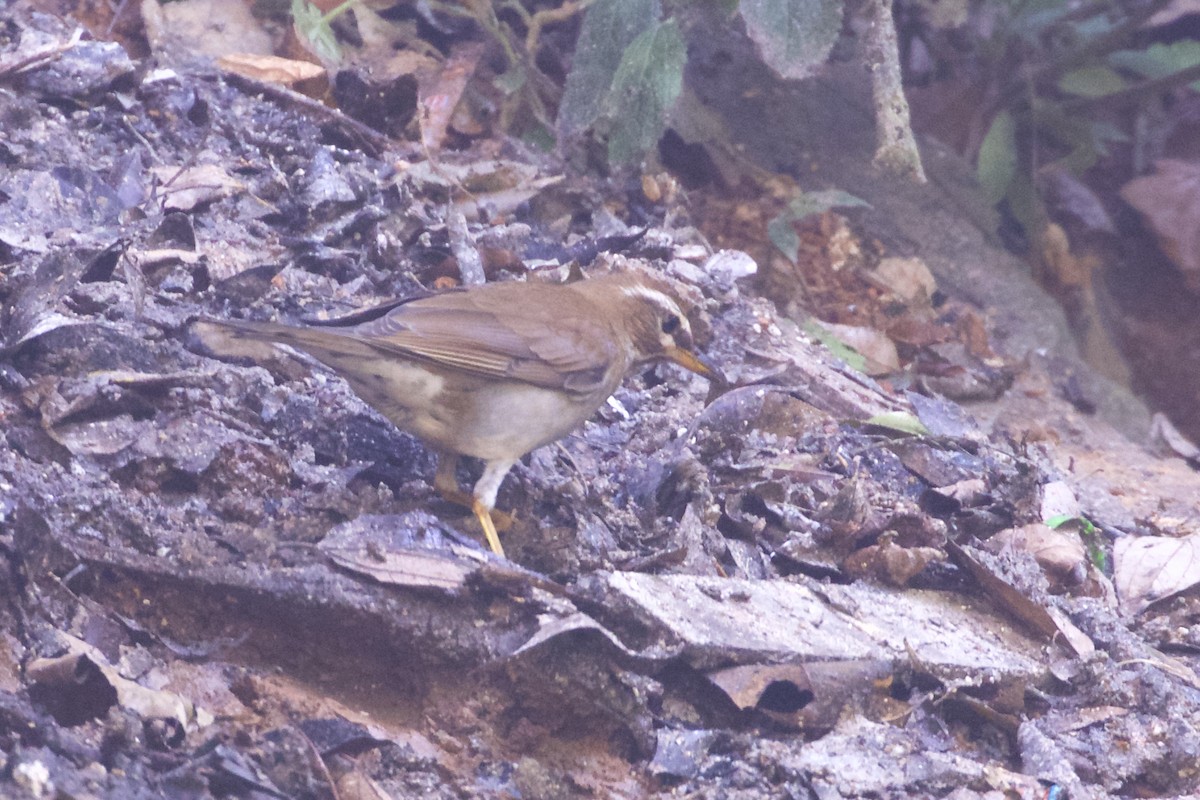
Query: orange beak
<point x="690" y="361"/>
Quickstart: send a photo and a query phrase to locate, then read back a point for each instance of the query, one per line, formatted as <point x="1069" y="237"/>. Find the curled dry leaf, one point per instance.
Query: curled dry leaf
<point x="1167" y="437"/>
<point x="272" y="69"/>
<point x="889" y="562"/>
<point x="1147" y="569"/>
<point x="1059" y="551"/>
<point x="82" y="657"/>
<point x="779" y="690"/>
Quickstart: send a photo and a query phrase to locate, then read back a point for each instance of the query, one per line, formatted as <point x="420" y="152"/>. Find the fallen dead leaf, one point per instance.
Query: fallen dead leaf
<point x="272" y="69"/>
<point x="873" y="345"/>
<point x="1059" y="551"/>
<point x="907" y="278"/>
<point x="1147" y="569"/>
<point x="1169" y="201"/>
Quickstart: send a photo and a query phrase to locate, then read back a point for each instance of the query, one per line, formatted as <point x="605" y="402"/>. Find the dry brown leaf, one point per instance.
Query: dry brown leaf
<point x="1058" y="551"/>
<point x="422" y="569"/>
<point x="889" y="562"/>
<point x="751" y="685"/>
<point x="184" y="189"/>
<point x="1169" y="201"/>
<point x="1047" y="620"/>
<point x="1164" y="432"/>
<point x="873" y="345"/>
<point x="209" y="27"/>
<point x="1059" y="501"/>
<point x="907" y="278"/>
<point x="1147" y="569"/>
<point x="146" y="703"/>
<point x="440" y="93"/>
<point x="271" y="69"/>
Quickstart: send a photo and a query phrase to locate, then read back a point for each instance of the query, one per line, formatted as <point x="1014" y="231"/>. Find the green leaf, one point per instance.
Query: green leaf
<point x="1025" y="203"/>
<point x="900" y="421"/>
<point x="644" y="89"/>
<point x="1085" y="524"/>
<point x="780" y="229"/>
<point x="512" y="81"/>
<point x="821" y="201"/>
<point x="793" y="36"/>
<point x="852" y="357"/>
<point x="312" y="24"/>
<point x="1089" y="534"/>
<point x="1094" y="81"/>
<point x="1033" y="18"/>
<point x="1160" y="60"/>
<point x="998" y="157"/>
<point x="609" y="26"/>
<point x="783" y="235"/>
<point x="1070" y="130"/>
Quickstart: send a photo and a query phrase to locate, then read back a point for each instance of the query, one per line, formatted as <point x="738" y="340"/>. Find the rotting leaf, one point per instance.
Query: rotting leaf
<point x="551" y="626"/>
<point x="1147" y="569"/>
<point x="889" y="562"/>
<point x="440" y="92"/>
<point x="782" y="230"/>
<point x="183" y="189"/>
<point x="146" y="703"/>
<point x="418" y="569"/>
<point x="384" y="548"/>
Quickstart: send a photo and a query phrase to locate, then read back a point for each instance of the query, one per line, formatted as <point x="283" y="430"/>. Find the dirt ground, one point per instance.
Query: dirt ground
<point x="967" y="576"/>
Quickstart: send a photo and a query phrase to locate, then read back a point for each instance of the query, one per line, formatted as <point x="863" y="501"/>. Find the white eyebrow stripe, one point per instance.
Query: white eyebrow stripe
<point x="654" y="296"/>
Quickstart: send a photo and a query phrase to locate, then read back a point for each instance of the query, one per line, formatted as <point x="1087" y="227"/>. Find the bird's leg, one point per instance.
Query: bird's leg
<point x="446" y="482"/>
<point x="484" y="498"/>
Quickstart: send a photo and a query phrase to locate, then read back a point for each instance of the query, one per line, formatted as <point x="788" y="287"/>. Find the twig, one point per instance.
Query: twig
<point x="549" y="16"/>
<point x="1091" y="48"/>
<point x="895" y="145"/>
<point x="39" y="58"/>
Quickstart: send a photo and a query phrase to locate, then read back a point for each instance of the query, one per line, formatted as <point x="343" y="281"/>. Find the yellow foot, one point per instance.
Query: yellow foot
<point x="489" y="528"/>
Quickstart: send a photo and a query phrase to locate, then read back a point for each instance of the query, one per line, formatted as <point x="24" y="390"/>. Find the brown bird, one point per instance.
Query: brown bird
<point x="493" y="371"/>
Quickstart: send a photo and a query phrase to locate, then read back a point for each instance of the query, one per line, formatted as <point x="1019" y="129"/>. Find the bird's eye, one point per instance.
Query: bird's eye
<point x="670" y="324"/>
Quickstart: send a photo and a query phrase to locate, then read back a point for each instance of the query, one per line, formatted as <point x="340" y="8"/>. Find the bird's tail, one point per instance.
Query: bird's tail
<point x="254" y="340"/>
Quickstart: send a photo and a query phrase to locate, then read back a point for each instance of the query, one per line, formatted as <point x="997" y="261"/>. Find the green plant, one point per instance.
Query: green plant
<point x="317" y="27"/>
<point x="1066" y="66"/>
<point x="1092" y="538"/>
<point x="627" y="70"/>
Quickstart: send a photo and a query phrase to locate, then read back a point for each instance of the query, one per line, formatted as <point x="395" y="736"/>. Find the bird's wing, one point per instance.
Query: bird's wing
<point x="546" y="345"/>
